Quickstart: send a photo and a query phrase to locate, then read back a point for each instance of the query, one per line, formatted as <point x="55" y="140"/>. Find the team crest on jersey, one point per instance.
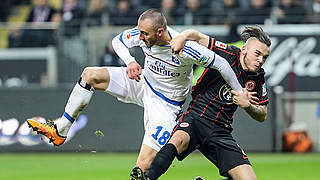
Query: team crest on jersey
<point x="225" y="93"/>
<point x="128" y="36"/>
<point x="175" y="60"/>
<point x="184" y="124"/>
<point x="203" y="58"/>
<point x="221" y="45"/>
<point x="264" y="89"/>
<point x="250" y="85"/>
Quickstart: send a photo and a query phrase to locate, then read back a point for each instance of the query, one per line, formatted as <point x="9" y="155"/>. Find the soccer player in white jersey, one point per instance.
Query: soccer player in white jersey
<point x="161" y="87"/>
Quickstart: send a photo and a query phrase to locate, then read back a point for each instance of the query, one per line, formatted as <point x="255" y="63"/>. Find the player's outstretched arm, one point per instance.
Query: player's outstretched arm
<point x="134" y="70"/>
<point x="177" y="43"/>
<point x="221" y="64"/>
<point x="197" y="54"/>
<point x="121" y="49"/>
<point x="257" y="112"/>
<point x="218" y="62"/>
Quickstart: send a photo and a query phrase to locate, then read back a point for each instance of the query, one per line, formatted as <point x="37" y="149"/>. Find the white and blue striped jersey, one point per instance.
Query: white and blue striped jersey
<point x="168" y="75"/>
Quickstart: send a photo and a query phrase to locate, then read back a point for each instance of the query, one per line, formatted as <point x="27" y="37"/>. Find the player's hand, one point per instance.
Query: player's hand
<point x="253" y="98"/>
<point x="134" y="71"/>
<point x="177" y="44"/>
<point x="245" y="98"/>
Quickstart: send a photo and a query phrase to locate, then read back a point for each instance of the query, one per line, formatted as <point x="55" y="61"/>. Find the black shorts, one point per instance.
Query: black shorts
<point x="213" y="141"/>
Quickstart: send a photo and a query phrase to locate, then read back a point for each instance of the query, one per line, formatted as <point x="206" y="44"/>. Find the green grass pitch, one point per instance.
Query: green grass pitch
<point x="117" y="166"/>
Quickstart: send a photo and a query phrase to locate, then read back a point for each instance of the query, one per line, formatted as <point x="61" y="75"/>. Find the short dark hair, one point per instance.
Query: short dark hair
<point x="257" y="32"/>
<point x="156" y="16"/>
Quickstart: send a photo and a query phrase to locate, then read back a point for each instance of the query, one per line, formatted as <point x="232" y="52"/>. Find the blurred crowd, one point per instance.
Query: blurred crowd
<point x="178" y="12"/>
<point x="63" y="23"/>
<point x="71" y="15"/>
<point x="74" y="13"/>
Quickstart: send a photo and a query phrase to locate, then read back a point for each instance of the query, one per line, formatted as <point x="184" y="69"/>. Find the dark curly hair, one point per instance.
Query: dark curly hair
<point x="257" y="32"/>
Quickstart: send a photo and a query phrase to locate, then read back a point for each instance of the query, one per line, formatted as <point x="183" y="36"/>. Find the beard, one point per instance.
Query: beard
<point x="152" y="41"/>
<point x="247" y="65"/>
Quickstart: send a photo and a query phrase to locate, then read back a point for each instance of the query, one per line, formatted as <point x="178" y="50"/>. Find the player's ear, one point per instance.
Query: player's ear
<point x="244" y="49"/>
<point x="160" y="31"/>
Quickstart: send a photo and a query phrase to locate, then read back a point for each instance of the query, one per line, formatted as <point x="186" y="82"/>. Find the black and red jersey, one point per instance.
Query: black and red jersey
<point x="211" y="96"/>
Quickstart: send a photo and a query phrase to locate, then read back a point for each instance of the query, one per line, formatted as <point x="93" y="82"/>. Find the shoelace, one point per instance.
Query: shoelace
<point x="50" y="122"/>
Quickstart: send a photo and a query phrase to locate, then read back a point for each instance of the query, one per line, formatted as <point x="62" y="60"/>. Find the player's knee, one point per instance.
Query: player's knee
<point x="90" y="76"/>
<point x="242" y="172"/>
<point x="87" y="74"/>
<point x="180" y="140"/>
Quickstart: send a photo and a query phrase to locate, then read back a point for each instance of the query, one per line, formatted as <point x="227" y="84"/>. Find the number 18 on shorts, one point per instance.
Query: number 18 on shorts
<point x="161" y="135"/>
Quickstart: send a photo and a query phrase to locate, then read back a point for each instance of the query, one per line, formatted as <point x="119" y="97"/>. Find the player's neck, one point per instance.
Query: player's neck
<point x="165" y="40"/>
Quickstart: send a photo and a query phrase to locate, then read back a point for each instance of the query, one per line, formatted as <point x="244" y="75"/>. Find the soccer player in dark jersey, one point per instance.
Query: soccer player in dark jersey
<point x="206" y="125"/>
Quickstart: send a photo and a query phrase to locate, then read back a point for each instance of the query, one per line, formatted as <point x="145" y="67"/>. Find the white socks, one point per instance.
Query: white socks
<point x="63" y="126"/>
<point x="78" y="100"/>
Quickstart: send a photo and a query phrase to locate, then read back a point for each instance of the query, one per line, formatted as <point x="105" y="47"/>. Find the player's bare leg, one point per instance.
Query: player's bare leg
<point x="145" y="157"/>
<point x="144" y="160"/>
<point x="242" y="172"/>
<point x="91" y="78"/>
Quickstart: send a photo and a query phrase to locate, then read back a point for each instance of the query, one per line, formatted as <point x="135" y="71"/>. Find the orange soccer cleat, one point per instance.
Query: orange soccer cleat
<point x="50" y="131"/>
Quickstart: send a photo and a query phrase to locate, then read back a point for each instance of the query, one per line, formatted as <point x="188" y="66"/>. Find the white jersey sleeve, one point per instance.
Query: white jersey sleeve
<point x="125" y="40"/>
<point x="197" y="54"/>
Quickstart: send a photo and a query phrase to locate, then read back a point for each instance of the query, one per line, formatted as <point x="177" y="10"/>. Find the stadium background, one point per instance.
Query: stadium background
<point x="40" y="61"/>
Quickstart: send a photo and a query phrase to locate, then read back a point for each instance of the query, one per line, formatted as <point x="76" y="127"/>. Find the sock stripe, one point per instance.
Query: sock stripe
<point x="68" y="117"/>
<point x="83" y="84"/>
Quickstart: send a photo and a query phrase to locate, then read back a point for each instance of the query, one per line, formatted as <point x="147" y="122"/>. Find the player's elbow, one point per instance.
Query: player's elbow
<point x="261" y="118"/>
<point x="262" y="115"/>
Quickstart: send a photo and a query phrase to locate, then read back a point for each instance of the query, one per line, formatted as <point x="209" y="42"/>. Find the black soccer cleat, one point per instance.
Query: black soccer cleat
<point x="137" y="174"/>
<point x="198" y="178"/>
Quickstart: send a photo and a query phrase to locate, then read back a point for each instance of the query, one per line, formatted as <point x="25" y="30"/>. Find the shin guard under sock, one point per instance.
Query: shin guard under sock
<point x="162" y="161"/>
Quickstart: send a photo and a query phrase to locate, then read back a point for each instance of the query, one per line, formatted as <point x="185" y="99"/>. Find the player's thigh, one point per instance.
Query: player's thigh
<point x="124" y="88"/>
<point x="242" y="172"/>
<point x="222" y="150"/>
<point x="145" y="157"/>
<point x="159" y="120"/>
<point x="190" y="141"/>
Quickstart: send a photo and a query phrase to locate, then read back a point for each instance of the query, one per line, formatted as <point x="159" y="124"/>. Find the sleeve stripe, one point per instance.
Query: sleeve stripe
<point x="187" y="51"/>
<point x="120" y="38"/>
<point x="134" y="34"/>
<point x="193" y="50"/>
<point x="135" y="30"/>
<point x="212" y="62"/>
